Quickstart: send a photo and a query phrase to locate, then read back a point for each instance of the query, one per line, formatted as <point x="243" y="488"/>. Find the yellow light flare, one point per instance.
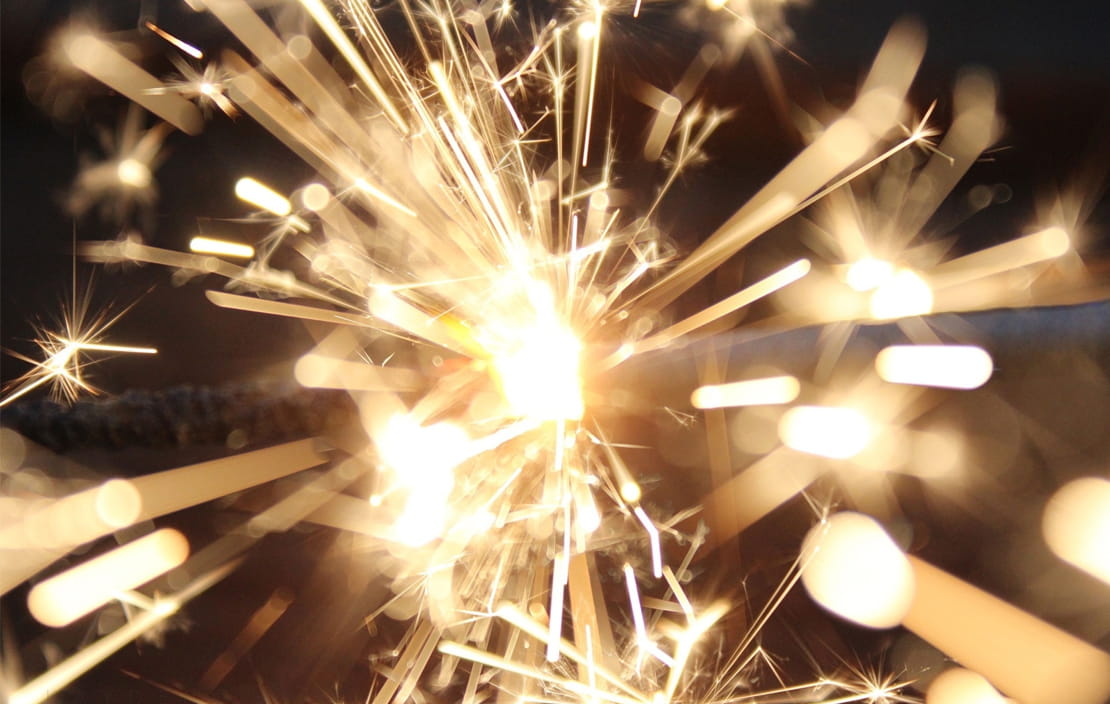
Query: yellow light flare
<point x="851" y="567"/>
<point x="902" y="295"/>
<point x="837" y="433"/>
<point x="754" y="392"/>
<point x="68" y="596"/>
<point x="1076" y="525"/>
<point x="209" y="245"/>
<point x="540" y="377"/>
<point x="943" y="366"/>
<point x="959" y="686"/>
<point x="258" y="194"/>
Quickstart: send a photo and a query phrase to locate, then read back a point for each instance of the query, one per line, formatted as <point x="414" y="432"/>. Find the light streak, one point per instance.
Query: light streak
<point x="178" y="43"/>
<point x="68" y="596"/>
<point x="838" y="433"/>
<point x="944" y="366"/>
<point x="210" y="245"/>
<point x="259" y="194"/>
<point x="103" y="62"/>
<point x="755" y="392"/>
<point x="65" y="672"/>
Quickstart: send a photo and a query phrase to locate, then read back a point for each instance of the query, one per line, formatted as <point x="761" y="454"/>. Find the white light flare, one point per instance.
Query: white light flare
<point x="768" y="391"/>
<point x="836" y="433"/>
<point x="943" y="366"/>
<point x="868" y="274"/>
<point x="423" y="459"/>
<point x="1076" y="525"/>
<point x="540" y="376"/>
<point x="68" y="596"/>
<point x="904" y="294"/>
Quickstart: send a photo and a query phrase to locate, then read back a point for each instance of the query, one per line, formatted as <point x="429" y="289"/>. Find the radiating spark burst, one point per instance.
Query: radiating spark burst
<point x="64" y="351"/>
<point x="468" y="199"/>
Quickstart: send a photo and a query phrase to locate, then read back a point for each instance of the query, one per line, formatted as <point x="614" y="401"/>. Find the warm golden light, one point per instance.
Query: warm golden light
<point x="209" y="245"/>
<point x="1076" y="525"/>
<point x="944" y="366"/>
<point x="540" y="376"/>
<point x="852" y="568"/>
<point x="251" y="191"/>
<point x="837" y="433"/>
<point x="755" y="392"/>
<point x="68" y="596"/>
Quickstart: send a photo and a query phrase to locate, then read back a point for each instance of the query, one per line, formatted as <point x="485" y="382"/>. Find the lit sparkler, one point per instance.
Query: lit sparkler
<point x="468" y="200"/>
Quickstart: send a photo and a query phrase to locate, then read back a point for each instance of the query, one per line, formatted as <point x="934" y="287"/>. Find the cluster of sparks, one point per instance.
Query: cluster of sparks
<point x="469" y="200"/>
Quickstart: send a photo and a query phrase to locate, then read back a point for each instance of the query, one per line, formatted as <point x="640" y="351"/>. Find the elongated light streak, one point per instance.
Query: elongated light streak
<point x="211" y="245"/>
<point x="653" y="539"/>
<point x="184" y="46"/>
<point x="68" y="596"/>
<point x="943" y="366"/>
<point x="103" y="62"/>
<point x="755" y="392"/>
<point x="838" y="433"/>
<point x="258" y="194"/>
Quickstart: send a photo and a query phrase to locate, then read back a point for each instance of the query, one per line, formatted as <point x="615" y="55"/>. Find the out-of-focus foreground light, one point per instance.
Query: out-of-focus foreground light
<point x="837" y="433"/>
<point x="209" y="245"/>
<point x="902" y="295"/>
<point x="68" y="596"/>
<point x="944" y="366"/>
<point x="960" y="686"/>
<point x="1076" y="525"/>
<point x="755" y="392"/>
<point x="540" y="376"/>
<point x="852" y="568"/>
<point x="251" y="191"/>
<point x="134" y="173"/>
